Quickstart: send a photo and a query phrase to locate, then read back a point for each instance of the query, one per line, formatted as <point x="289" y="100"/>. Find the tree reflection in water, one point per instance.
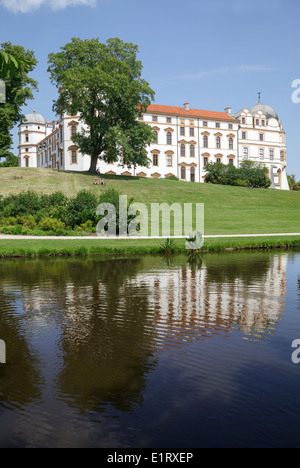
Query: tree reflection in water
<point x="113" y="317"/>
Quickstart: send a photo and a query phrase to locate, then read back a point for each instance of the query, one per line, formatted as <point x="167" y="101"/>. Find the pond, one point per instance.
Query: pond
<point x="148" y="351"/>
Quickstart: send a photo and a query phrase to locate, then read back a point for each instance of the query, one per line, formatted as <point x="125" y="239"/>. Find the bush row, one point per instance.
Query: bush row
<point x="31" y="213"/>
<point x="249" y="174"/>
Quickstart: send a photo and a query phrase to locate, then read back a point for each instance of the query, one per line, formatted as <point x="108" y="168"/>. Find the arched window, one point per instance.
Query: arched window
<point x="182" y="172"/>
<point x="205" y="141"/>
<point x="155" y="137"/>
<point x="169" y="138"/>
<point x="182" y="150"/>
<point x="218" y="142"/>
<point x="230" y="141"/>
<point x="192" y="151"/>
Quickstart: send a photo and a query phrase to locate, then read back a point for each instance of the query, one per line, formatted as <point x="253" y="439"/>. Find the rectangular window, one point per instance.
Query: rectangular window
<point x="257" y="122"/>
<point x="261" y="153"/>
<point x="218" y="160"/>
<point x="243" y="120"/>
<point x="204" y="124"/>
<point x="244" y="136"/>
<point x="282" y="155"/>
<point x="230" y="126"/>
<point x="154" y="118"/>
<point x="231" y="161"/>
<point x="192" y="151"/>
<point x="182" y="131"/>
<point x="271" y="154"/>
<point x="192" y="132"/>
<point x="169" y="161"/>
<point x="155" y="160"/>
<point x="169" y="120"/>
<point x="74" y="157"/>
<point x="27" y="162"/>
<point x="26" y="138"/>
<point x="261" y="137"/>
<point x="205" y="162"/>
<point x="246" y="152"/>
<point x="218" y="125"/>
<point x="263" y="123"/>
<point x="141" y="118"/>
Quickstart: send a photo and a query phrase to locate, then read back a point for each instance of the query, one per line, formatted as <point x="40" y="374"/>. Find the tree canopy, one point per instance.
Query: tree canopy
<point x="102" y="84"/>
<point x="10" y="64"/>
<point x="19" y="89"/>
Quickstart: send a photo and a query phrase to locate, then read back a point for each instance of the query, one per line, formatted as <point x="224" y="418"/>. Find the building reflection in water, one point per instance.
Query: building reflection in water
<point x="111" y="319"/>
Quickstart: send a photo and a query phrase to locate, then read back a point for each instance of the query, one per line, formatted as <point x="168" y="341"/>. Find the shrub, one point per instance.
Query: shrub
<point x="86" y="227"/>
<point x="112" y="196"/>
<point x="242" y="183"/>
<point x="54" y="199"/>
<point x="168" y="246"/>
<point x="51" y="224"/>
<point x="10" y="221"/>
<point x="28" y="222"/>
<point x="82" y="209"/>
<point x="21" y="204"/>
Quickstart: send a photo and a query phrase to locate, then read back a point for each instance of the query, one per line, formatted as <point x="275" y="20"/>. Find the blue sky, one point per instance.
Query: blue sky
<point x="211" y="54"/>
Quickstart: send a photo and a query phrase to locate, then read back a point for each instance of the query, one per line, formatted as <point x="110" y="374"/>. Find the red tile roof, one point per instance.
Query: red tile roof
<point x="183" y="112"/>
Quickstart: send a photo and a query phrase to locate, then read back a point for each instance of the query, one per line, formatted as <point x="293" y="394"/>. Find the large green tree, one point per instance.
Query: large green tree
<point x="19" y="89"/>
<point x="102" y="84"/>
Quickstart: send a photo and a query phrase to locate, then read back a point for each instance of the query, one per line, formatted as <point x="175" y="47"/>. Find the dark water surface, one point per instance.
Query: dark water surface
<point x="150" y="352"/>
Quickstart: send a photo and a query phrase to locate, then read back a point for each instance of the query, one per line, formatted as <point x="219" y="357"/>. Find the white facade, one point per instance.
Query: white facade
<point x="186" y="141"/>
<point x="263" y="140"/>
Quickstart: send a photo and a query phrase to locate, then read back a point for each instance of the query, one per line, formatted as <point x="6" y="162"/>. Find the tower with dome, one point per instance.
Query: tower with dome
<point x="262" y="139"/>
<point x="32" y="130"/>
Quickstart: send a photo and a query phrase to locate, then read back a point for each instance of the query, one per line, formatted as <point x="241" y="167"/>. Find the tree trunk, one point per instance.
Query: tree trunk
<point x="93" y="166"/>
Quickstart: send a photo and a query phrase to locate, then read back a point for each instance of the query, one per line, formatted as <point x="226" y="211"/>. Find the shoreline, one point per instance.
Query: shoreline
<point x="61" y="247"/>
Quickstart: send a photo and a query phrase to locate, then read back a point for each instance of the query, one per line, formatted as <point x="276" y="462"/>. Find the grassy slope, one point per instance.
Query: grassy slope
<point x="228" y="210"/>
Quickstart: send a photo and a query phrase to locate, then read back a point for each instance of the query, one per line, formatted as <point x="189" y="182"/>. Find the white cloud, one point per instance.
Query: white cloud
<point x="27" y="6"/>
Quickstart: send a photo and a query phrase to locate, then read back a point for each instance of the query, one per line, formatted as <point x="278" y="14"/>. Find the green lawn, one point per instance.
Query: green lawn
<point x="228" y="210"/>
<point x="59" y="246"/>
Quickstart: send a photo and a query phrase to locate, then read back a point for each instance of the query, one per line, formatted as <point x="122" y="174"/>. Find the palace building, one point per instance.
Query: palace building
<point x="186" y="140"/>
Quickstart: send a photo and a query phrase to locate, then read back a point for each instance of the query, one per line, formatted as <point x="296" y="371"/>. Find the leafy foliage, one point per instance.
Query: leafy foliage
<point x="168" y="246"/>
<point x="19" y="89"/>
<point x="293" y="184"/>
<point x="249" y="174"/>
<point x="112" y="196"/>
<point x="11" y="64"/>
<point x="11" y="161"/>
<point x="55" y="212"/>
<point x="102" y="83"/>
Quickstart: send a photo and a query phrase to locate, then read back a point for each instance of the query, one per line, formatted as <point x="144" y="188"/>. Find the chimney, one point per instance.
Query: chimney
<point x="186" y="105"/>
<point x="228" y="110"/>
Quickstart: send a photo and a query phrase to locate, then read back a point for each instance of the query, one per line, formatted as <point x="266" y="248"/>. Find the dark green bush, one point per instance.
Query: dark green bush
<point x="250" y="173"/>
<point x="82" y="209"/>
